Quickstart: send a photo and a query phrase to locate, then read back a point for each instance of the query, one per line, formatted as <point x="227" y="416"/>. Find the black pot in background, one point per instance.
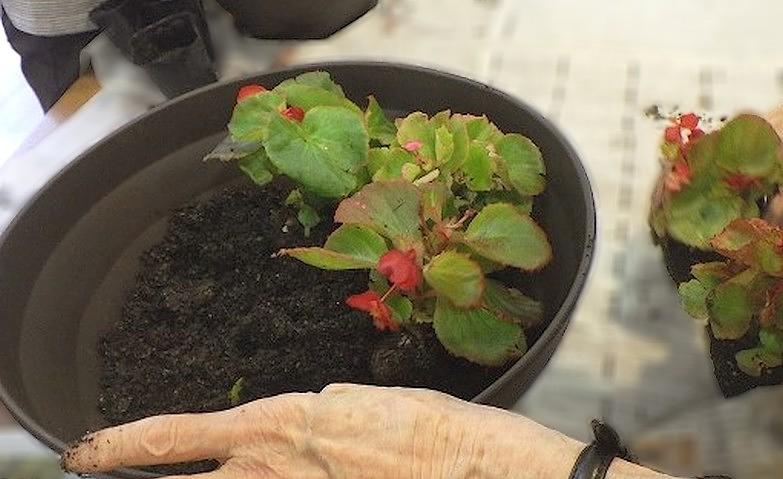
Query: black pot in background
<point x="174" y="54"/>
<point x="731" y="380"/>
<point x="121" y="19"/>
<point x="679" y="258"/>
<point x="295" y="19"/>
<point x="69" y="258"/>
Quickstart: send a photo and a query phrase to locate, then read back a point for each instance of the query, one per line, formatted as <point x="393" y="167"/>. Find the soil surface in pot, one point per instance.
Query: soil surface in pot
<point x="210" y="305"/>
<point x="731" y="380"/>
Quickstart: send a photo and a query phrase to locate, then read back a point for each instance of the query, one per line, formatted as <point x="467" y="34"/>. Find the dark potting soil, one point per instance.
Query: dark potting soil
<point x="679" y="258"/>
<point x="731" y="380"/>
<point x="210" y="305"/>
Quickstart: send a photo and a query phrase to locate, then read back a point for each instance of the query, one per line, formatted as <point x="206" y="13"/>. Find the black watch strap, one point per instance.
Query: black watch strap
<point x="595" y="459"/>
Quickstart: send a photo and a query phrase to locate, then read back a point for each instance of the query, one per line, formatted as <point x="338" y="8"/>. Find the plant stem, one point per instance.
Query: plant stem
<point x="465" y="217"/>
<point x="388" y="293"/>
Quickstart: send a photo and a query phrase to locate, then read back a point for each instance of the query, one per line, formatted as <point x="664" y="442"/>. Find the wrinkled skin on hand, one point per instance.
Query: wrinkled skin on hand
<point x="346" y="431"/>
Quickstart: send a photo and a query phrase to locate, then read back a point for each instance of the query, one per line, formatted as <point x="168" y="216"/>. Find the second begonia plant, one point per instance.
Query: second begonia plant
<point x="712" y="203"/>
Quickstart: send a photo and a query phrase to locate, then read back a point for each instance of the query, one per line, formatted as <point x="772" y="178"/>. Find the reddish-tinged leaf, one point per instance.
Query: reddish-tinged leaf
<point x="389" y="207"/>
<point x="752" y="242"/>
<point x="739" y="182"/>
<point x="401" y="269"/>
<point x="370" y="302"/>
<point x="294" y="113"/>
<point x="689" y="120"/>
<point x="772" y="313"/>
<point x="501" y="233"/>
<point x="249" y="90"/>
<point x="348" y="247"/>
<point x="711" y="274"/>
<point x="510" y="304"/>
<point x="477" y="334"/>
<point x="522" y="164"/>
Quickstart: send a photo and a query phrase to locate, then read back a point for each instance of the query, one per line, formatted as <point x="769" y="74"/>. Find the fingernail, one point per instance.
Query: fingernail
<point x="73" y="455"/>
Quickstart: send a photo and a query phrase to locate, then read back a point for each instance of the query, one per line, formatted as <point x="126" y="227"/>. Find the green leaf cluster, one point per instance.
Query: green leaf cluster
<point x="474" y="316"/>
<point x="468" y="153"/>
<point x="730" y="170"/>
<point x="744" y="292"/>
<point x="325" y="154"/>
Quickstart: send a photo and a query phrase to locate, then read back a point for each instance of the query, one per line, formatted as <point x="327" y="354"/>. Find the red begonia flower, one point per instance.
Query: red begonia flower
<point x="689" y="121"/>
<point x="294" y="113"/>
<point x="413" y="145"/>
<point x="249" y="90"/>
<point x="370" y="302"/>
<point x="679" y="176"/>
<point x="673" y="134"/>
<point x="401" y="269"/>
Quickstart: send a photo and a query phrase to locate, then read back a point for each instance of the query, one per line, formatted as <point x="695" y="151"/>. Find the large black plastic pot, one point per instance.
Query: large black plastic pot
<point x="69" y="258"/>
<point x="295" y="19"/>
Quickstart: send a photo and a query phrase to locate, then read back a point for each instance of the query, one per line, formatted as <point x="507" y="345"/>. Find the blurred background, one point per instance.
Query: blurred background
<point x="630" y="356"/>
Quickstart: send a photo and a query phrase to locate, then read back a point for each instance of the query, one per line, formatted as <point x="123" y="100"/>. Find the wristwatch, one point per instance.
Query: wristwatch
<point x="597" y="457"/>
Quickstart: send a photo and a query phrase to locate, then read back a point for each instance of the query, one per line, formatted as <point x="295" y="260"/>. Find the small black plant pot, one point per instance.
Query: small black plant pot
<point x="174" y="54"/>
<point x="732" y="382"/>
<point x="70" y="257"/>
<point x="295" y="19"/>
<point x="679" y="258"/>
<point x="121" y="19"/>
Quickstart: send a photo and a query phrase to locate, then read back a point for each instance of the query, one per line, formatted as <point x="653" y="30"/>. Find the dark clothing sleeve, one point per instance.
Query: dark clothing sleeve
<point x="50" y="64"/>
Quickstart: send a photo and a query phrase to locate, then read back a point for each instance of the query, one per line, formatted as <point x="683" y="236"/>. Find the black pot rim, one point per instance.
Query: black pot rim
<point x="552" y="332"/>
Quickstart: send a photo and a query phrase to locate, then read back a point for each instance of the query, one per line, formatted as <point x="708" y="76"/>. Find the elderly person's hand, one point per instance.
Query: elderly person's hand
<point x="346" y="431"/>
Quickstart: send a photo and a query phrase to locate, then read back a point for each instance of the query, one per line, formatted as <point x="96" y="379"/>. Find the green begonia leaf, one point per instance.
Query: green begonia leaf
<point x="457" y="277"/>
<point x="500" y="232"/>
<point x="477" y="334"/>
<point x="391" y="208"/>
<point x="323" y="153"/>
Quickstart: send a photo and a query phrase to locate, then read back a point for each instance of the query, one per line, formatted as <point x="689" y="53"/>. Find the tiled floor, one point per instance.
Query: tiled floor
<point x="20" y="109"/>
